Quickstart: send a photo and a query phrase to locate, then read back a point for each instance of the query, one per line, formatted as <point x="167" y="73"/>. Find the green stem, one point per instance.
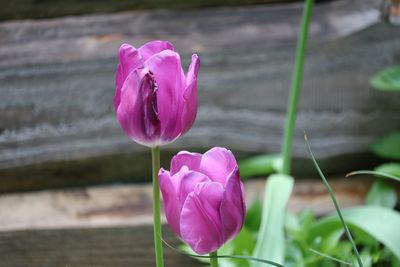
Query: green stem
<point x="214" y="259"/>
<point x="155" y="157"/>
<point x="295" y="88"/>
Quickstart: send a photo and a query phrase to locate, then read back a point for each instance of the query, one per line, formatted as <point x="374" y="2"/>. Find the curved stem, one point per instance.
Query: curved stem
<point x="214" y="259"/>
<point x="155" y="157"/>
<point x="295" y="88"/>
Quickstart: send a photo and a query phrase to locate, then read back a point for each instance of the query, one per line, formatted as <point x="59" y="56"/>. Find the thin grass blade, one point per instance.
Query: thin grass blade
<point x="381" y="174"/>
<point x="330" y="257"/>
<point x="335" y="203"/>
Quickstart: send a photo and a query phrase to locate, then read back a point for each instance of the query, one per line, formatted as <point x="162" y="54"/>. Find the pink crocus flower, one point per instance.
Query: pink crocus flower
<point x="204" y="198"/>
<point x="154" y="100"/>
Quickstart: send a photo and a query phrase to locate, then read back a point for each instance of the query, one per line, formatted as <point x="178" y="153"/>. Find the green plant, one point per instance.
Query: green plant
<point x="302" y="240"/>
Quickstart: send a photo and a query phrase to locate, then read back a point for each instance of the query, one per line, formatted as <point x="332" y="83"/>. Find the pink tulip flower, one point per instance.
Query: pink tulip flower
<point x="204" y="198"/>
<point x="155" y="102"/>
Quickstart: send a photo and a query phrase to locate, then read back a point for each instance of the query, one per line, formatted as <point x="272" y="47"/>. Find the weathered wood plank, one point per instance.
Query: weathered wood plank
<point x="57" y="76"/>
<point x="127" y="205"/>
<point x="25" y="9"/>
<point x="110" y="226"/>
<point x="100" y="247"/>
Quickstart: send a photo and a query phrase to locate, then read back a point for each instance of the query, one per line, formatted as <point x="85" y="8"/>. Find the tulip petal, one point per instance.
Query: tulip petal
<point x="172" y="206"/>
<point x="129" y="59"/>
<point x="190" y="95"/>
<point x="200" y="223"/>
<point x="233" y="207"/>
<point x="189" y="181"/>
<point x="137" y="111"/>
<point x="185" y="158"/>
<point x="218" y="163"/>
<point x="175" y="189"/>
<point x="167" y="70"/>
<point x="154" y="47"/>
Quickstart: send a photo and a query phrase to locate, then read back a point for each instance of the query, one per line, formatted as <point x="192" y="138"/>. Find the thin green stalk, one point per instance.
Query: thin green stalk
<point x="155" y="158"/>
<point x="214" y="259"/>
<point x="323" y="255"/>
<point x="335" y="204"/>
<point x="381" y="174"/>
<point x="295" y="88"/>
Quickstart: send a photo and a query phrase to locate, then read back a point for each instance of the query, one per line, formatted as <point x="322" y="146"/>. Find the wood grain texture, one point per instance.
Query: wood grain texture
<point x="27" y="9"/>
<point x="57" y="81"/>
<point x="128" y="205"/>
<point x="94" y="247"/>
<point x="111" y="225"/>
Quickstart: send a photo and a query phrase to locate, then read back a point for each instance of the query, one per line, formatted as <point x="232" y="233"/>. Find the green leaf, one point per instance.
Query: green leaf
<point x="387" y="79"/>
<point x="382" y="194"/>
<point x="243" y="244"/>
<point x="366" y="258"/>
<point x="330" y="241"/>
<point x="271" y="241"/>
<point x="379" y="222"/>
<point x="260" y="165"/>
<point x="294" y="254"/>
<point x="389" y="168"/>
<point x="388" y="146"/>
<point x="253" y="216"/>
<point x="292" y="223"/>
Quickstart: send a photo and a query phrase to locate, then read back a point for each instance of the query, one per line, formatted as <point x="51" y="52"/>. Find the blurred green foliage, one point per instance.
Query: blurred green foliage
<point x="387" y="79"/>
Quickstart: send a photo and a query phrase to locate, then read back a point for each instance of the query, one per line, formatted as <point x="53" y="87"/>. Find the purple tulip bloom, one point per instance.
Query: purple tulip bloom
<point x="204" y="198"/>
<point x="155" y="102"/>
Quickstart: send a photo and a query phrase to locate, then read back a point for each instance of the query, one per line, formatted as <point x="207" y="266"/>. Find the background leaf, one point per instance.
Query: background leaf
<point x="253" y="216"/>
<point x="387" y="79"/>
<point x="260" y="165"/>
<point x="382" y="194"/>
<point x="243" y="244"/>
<point x="388" y="146"/>
<point x="389" y="168"/>
<point x="271" y="240"/>
<point x="379" y="222"/>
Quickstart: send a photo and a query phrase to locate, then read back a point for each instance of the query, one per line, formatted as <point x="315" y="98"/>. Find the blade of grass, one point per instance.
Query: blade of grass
<point x="335" y="203"/>
<point x="330" y="257"/>
<point x="382" y="174"/>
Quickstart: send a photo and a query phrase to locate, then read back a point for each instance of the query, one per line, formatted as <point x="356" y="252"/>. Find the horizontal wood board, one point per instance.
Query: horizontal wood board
<point x="57" y="86"/>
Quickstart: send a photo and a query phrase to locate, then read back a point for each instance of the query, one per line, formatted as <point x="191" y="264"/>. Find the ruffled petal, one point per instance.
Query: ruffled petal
<point x="167" y="70"/>
<point x="200" y="223"/>
<point x="129" y="59"/>
<point x="218" y="163"/>
<point x="154" y="47"/>
<point x="136" y="112"/>
<point x="190" y="95"/>
<point x="185" y="158"/>
<point x="233" y="207"/>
